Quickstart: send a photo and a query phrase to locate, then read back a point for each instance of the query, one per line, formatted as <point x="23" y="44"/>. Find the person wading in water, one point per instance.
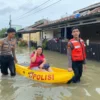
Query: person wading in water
<point x="7" y="53"/>
<point x="76" y="55"/>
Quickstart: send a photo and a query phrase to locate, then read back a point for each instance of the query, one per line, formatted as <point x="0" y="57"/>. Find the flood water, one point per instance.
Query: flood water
<point x="21" y="88"/>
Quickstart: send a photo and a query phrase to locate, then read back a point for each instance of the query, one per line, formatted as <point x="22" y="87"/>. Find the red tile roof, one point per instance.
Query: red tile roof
<point x="86" y="13"/>
<point x="39" y="26"/>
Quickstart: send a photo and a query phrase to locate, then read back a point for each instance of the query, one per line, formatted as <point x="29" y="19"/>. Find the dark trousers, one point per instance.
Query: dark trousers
<point x="7" y="61"/>
<point x="0" y="61"/>
<point x="78" y="69"/>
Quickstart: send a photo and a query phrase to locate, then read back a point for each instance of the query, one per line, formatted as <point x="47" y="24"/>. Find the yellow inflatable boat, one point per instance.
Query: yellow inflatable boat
<point x="58" y="76"/>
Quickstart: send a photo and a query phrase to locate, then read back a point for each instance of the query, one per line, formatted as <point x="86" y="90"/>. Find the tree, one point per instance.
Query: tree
<point x="2" y="32"/>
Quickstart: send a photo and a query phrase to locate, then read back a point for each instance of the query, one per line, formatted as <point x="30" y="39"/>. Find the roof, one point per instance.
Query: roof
<point x="33" y="28"/>
<point x="29" y="30"/>
<point x="73" y="17"/>
<point x="88" y="8"/>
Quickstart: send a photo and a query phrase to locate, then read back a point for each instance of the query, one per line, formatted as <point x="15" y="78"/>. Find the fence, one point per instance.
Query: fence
<point x="93" y="50"/>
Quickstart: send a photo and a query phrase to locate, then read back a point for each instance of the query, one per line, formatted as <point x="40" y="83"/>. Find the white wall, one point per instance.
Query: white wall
<point x="49" y="34"/>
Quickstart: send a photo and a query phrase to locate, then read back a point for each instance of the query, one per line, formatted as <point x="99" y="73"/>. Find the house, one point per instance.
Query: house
<point x="88" y="23"/>
<point x="33" y="32"/>
<point x="88" y="20"/>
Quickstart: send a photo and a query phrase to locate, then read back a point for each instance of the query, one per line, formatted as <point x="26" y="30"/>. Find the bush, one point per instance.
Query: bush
<point x="2" y="35"/>
<point x="2" y="32"/>
<point x="22" y="43"/>
<point x="33" y="48"/>
<point x="44" y="44"/>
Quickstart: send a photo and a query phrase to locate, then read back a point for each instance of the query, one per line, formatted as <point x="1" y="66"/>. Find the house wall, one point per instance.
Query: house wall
<point x="48" y="34"/>
<point x="25" y="37"/>
<point x="91" y="32"/>
<point x="33" y="36"/>
<point x="58" y="33"/>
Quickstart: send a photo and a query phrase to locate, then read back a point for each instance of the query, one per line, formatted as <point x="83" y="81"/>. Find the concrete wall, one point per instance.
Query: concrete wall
<point x="48" y="34"/>
<point x="33" y="36"/>
<point x="91" y="32"/>
<point x="58" y="33"/>
<point x="25" y="37"/>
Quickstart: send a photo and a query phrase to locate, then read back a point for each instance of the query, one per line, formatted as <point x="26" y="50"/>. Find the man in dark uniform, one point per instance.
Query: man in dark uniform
<point x="7" y="53"/>
<point x="76" y="55"/>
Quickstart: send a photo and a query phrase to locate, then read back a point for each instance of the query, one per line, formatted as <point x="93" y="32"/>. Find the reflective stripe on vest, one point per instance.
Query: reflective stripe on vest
<point x="78" y="53"/>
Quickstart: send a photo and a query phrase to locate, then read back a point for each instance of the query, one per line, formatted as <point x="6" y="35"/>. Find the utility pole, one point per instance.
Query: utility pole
<point x="10" y="21"/>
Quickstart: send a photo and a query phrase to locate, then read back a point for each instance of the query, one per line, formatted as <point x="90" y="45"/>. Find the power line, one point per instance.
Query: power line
<point x="41" y="9"/>
<point x="34" y="8"/>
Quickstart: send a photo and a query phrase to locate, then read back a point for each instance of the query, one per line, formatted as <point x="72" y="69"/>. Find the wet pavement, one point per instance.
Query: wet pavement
<point x="21" y="88"/>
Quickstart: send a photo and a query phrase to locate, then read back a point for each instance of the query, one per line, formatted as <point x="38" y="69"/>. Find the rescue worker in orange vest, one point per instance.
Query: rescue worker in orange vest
<point x="76" y="55"/>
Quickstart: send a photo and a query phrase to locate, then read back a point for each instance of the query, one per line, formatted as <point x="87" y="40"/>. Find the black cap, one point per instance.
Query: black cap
<point x="9" y="30"/>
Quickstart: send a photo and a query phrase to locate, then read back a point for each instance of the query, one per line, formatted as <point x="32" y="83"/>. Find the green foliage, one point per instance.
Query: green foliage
<point x="22" y="43"/>
<point x="32" y="48"/>
<point x="2" y="32"/>
<point x="16" y="36"/>
<point x="44" y="44"/>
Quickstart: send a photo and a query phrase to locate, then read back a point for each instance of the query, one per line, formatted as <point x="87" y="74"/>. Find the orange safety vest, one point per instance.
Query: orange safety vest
<point x="78" y="53"/>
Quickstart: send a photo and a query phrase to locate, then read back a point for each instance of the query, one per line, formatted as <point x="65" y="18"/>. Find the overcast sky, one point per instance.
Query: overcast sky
<point x="19" y="7"/>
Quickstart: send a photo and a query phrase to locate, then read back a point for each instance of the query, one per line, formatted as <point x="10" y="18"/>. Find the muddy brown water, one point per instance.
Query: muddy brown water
<point x="21" y="88"/>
